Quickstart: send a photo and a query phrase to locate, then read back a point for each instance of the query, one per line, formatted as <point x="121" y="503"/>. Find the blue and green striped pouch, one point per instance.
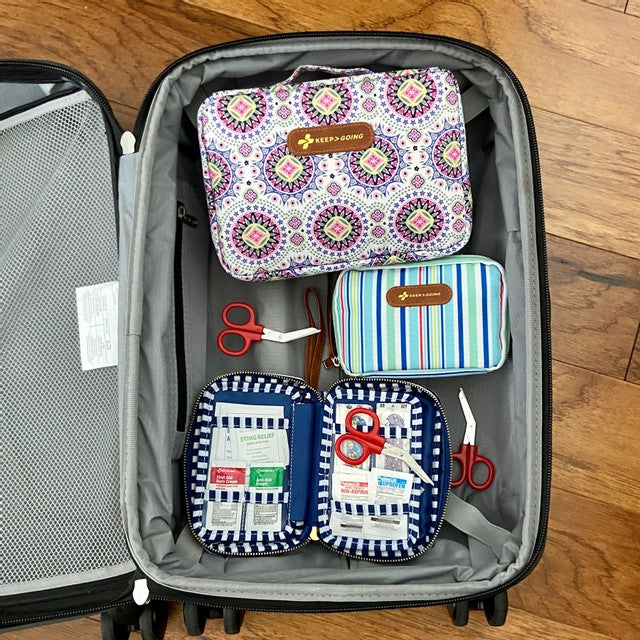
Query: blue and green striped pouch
<point x="442" y="317"/>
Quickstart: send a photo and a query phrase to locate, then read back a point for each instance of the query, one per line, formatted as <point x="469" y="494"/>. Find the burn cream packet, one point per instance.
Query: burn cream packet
<point x="228" y="475"/>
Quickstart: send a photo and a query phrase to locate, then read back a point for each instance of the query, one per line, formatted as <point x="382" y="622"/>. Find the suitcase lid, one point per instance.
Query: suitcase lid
<point x="62" y="541"/>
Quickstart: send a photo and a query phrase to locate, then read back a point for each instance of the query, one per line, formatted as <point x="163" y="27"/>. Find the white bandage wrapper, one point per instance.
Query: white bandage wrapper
<point x="343" y="524"/>
<point x="394" y="414"/>
<point x="233" y="410"/>
<point x="390" y="486"/>
<point x="261" y="447"/>
<point x="224" y="516"/>
<point x="390" y="463"/>
<point x="385" y="527"/>
<point x="221" y="443"/>
<point x="263" y="517"/>
<point x="350" y="487"/>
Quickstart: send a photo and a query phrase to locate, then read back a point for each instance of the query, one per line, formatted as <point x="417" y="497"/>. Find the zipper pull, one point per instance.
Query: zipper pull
<point x="183" y="216"/>
<point x="331" y="361"/>
<point x="314" y="535"/>
<point x="128" y="143"/>
<point x="141" y="593"/>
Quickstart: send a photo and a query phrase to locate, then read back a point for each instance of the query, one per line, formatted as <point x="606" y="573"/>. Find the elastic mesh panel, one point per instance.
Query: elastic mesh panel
<point x="59" y="440"/>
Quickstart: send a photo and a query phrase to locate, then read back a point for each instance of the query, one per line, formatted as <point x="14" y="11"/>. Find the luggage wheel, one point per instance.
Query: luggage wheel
<point x="117" y="624"/>
<point x="495" y="610"/>
<point x="153" y="621"/>
<point x="232" y="620"/>
<point x="195" y="617"/>
<point x="459" y="613"/>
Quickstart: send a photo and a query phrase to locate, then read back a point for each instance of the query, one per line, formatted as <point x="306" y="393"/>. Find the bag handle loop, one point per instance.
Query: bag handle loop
<point x="333" y="71"/>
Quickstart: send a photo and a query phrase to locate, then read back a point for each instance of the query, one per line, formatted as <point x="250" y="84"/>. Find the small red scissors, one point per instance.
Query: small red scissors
<point x="468" y="456"/>
<point x="355" y="446"/>
<point x="250" y="331"/>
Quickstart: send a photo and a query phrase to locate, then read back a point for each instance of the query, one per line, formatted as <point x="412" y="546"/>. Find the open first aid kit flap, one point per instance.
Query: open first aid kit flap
<point x="60" y="521"/>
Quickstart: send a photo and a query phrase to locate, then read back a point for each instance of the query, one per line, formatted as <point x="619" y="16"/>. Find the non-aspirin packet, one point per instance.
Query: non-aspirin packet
<point x="350" y="487"/>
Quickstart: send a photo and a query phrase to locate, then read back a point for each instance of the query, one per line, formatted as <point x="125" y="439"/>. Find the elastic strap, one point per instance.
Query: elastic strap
<point x="469" y="520"/>
<point x="474" y="103"/>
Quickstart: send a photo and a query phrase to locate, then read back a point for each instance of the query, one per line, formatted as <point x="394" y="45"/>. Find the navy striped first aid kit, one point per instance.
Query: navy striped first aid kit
<point x="377" y="510"/>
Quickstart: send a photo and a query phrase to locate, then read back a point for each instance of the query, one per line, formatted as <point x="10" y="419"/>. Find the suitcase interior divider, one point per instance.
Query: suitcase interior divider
<point x="507" y="402"/>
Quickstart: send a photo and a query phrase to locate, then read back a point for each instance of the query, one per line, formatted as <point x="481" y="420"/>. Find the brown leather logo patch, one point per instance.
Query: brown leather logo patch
<point x="332" y="138"/>
<point x="419" y="295"/>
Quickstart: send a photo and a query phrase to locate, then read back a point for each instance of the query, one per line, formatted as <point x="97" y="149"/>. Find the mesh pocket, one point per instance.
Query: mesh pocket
<point x="59" y="501"/>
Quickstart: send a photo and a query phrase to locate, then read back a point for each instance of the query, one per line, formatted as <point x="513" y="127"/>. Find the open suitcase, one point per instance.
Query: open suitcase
<point x="92" y="513"/>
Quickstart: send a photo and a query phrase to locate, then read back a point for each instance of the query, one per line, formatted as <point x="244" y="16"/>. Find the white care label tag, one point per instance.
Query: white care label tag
<point x="98" y="325"/>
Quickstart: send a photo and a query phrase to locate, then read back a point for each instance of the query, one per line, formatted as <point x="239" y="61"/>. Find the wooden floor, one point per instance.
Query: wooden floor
<point x="580" y="64"/>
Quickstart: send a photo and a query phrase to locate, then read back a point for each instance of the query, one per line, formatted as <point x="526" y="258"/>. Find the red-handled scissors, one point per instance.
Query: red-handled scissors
<point x="468" y="456"/>
<point x="355" y="446"/>
<point x="250" y="331"/>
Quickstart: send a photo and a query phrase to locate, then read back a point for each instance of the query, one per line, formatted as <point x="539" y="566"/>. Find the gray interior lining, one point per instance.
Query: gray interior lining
<point x="60" y="517"/>
<point x="509" y="425"/>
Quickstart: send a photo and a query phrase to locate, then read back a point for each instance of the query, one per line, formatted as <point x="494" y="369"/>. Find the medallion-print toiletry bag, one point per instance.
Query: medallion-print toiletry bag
<point x="443" y="317"/>
<point x="351" y="171"/>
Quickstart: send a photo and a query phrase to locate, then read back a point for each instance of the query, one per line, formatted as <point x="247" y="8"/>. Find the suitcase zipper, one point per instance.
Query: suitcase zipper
<point x="66" y="72"/>
<point x="181" y="370"/>
<point x="68" y="614"/>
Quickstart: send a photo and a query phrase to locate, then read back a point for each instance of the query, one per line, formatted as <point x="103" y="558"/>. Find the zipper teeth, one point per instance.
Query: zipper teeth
<point x="67" y="614"/>
<point x="65" y="71"/>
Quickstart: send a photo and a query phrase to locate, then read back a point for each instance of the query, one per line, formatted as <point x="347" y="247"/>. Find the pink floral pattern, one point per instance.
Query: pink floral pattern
<point x="277" y="215"/>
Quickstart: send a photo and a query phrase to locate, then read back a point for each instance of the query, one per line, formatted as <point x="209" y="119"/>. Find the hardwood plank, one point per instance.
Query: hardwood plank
<point x="126" y="115"/>
<point x="633" y="373"/>
<point x="633" y="8"/>
<point x="80" y="628"/>
<point x="591" y="183"/>
<point x="616" y="5"/>
<point x="591" y="563"/>
<point x="595" y="298"/>
<point x="399" y="624"/>
<point x="572" y="57"/>
<point x="121" y="46"/>
<point x="588" y="576"/>
<point x="596" y="453"/>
